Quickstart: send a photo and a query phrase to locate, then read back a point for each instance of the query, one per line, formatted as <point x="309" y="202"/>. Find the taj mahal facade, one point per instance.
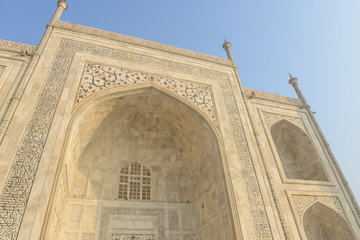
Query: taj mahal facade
<point x="109" y="137"/>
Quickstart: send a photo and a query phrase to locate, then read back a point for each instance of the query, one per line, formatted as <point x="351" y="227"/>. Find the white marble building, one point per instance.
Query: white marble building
<point x="106" y="136"/>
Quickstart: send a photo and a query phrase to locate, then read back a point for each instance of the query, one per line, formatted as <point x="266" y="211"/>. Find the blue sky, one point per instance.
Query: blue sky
<point x="316" y="41"/>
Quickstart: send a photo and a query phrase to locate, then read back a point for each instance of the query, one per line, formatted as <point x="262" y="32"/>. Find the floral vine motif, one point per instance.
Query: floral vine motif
<point x="97" y="77"/>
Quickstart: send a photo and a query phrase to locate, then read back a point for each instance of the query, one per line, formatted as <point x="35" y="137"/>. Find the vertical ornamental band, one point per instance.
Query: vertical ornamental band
<point x="18" y="184"/>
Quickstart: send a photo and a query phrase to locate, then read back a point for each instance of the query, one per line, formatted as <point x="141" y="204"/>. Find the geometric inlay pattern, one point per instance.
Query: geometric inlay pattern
<point x="131" y="237"/>
<point x="97" y="77"/>
<point x="107" y="212"/>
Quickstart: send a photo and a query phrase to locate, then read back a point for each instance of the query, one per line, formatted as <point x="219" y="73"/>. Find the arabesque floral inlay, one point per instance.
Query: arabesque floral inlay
<point x="97" y="77"/>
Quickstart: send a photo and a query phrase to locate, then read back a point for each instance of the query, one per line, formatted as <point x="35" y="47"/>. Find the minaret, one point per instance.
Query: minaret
<point x="227" y="47"/>
<point x="345" y="185"/>
<point x="29" y="67"/>
<point x="62" y="5"/>
<point x="294" y="82"/>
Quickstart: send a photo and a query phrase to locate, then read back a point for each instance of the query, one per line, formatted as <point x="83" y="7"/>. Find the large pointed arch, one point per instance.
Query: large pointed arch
<point x="86" y="119"/>
<point x="323" y="223"/>
<point x="297" y="153"/>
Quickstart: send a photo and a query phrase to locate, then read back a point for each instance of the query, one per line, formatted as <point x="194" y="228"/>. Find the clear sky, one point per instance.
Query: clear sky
<point x="316" y="41"/>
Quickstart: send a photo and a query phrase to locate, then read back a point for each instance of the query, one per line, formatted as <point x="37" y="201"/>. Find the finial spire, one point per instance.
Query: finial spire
<point x="227" y="47"/>
<point x="294" y="82"/>
<point x="62" y="3"/>
<point x="61" y="6"/>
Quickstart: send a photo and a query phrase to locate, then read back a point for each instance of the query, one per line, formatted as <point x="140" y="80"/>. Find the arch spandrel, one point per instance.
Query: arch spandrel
<point x="303" y="202"/>
<point x="271" y="119"/>
<point x="97" y="77"/>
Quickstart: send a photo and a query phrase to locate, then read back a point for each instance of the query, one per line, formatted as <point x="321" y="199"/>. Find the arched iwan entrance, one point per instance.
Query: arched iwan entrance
<point x="323" y="223"/>
<point x="140" y="165"/>
<point x="297" y="153"/>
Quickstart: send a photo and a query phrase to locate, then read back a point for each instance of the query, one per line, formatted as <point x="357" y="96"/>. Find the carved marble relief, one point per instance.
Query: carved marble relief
<point x="78" y="221"/>
<point x="141" y="42"/>
<point x="81" y="182"/>
<point x="17" y="187"/>
<point x="14" y="45"/>
<point x="107" y="212"/>
<point x="2" y="69"/>
<point x="271" y="118"/>
<point x="97" y="77"/>
<point x="257" y="208"/>
<point x="303" y="201"/>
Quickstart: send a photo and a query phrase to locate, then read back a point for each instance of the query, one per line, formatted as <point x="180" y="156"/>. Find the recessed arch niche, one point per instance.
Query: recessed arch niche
<point x="171" y="138"/>
<point x="323" y="223"/>
<point x="297" y="153"/>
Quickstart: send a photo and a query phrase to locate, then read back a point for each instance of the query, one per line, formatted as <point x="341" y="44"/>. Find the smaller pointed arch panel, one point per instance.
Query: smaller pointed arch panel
<point x="97" y="77"/>
<point x="297" y="153"/>
<point x="323" y="223"/>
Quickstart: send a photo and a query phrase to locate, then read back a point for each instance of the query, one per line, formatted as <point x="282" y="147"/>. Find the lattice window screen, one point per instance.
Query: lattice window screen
<point x="135" y="182"/>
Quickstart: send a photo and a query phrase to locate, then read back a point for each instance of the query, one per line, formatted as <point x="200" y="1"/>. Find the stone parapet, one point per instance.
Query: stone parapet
<point x="139" y="42"/>
<point x="9" y="45"/>
<point x="271" y="96"/>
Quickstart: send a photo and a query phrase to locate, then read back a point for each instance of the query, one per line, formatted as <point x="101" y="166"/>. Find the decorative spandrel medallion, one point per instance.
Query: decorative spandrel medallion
<point x="97" y="77"/>
<point x="132" y="237"/>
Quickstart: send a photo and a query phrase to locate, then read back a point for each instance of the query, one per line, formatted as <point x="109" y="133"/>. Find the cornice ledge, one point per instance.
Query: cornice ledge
<point x="9" y="45"/>
<point x="271" y="96"/>
<point x="140" y="42"/>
